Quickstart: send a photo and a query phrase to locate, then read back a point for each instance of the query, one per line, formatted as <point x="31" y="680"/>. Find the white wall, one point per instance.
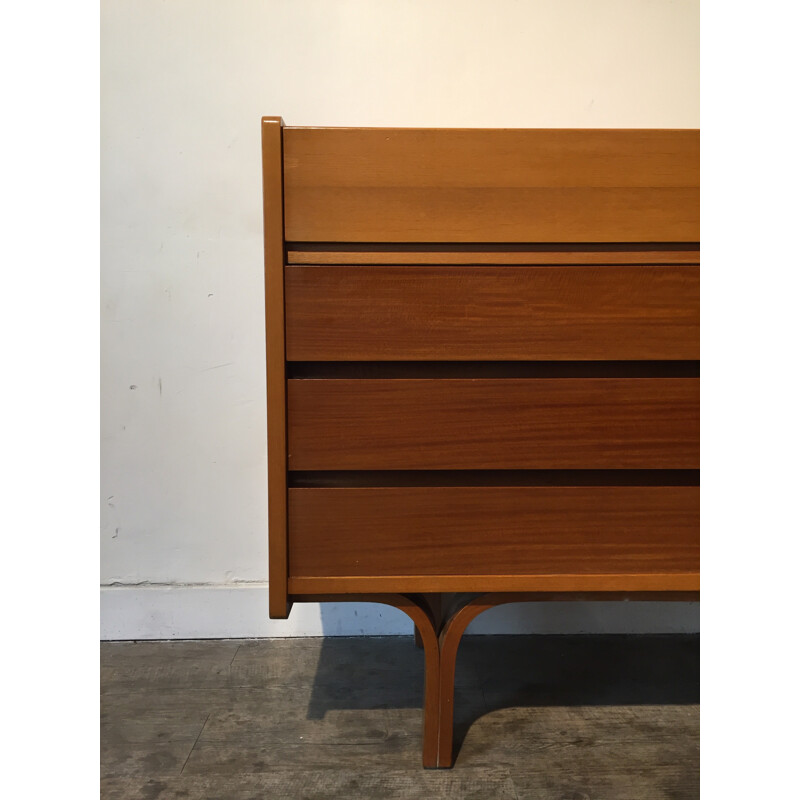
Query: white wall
<point x="184" y="85"/>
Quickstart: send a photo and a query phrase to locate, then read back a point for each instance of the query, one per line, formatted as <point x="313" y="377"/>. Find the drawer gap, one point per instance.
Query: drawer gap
<point x="401" y="254"/>
<point x="491" y="369"/>
<point x="323" y="479"/>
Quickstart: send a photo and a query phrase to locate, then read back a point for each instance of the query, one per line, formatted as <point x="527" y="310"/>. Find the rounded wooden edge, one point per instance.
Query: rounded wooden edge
<point x="449" y="640"/>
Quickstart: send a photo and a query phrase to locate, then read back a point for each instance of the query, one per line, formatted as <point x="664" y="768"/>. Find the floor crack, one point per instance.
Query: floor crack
<point x="208" y="716"/>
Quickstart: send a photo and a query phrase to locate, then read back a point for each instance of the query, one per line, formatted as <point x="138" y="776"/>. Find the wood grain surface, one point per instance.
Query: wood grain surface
<point x="502" y="530"/>
<point x="402" y="254"/>
<point x="375" y="313"/>
<point x="560" y="583"/>
<point x="590" y="423"/>
<point x="271" y="144"/>
<point x="438" y="185"/>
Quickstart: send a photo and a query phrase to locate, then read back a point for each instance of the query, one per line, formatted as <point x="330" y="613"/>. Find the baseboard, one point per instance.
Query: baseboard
<point x="199" y="611"/>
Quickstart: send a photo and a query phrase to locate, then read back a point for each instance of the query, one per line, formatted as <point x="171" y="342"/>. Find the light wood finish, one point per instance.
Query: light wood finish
<point x="345" y="313"/>
<point x="499" y="530"/>
<point x="558" y="423"/>
<point x="272" y="161"/>
<point x="401" y="255"/>
<point x="436" y="185"/>
<point x="562" y="582"/>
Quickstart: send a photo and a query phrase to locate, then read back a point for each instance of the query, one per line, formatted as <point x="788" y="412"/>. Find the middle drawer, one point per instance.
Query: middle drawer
<point x="506" y="423"/>
<point x="550" y="313"/>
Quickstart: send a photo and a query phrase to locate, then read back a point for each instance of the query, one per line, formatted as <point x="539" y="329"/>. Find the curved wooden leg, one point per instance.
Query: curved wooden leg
<point x="440" y="629"/>
<point x="449" y="640"/>
<point x="426" y="626"/>
<point x="417" y="637"/>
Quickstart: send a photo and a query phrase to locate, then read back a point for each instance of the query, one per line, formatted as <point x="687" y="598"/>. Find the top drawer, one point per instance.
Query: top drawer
<point x="514" y="313"/>
<point x="428" y="185"/>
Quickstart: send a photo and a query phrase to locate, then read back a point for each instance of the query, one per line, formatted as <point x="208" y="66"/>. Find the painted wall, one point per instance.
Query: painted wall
<point x="184" y="85"/>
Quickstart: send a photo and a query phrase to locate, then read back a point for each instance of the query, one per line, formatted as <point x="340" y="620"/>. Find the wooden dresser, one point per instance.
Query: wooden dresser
<point x="482" y="373"/>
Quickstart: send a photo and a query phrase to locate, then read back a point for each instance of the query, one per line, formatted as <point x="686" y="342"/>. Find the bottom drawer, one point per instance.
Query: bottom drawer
<point x="379" y="532"/>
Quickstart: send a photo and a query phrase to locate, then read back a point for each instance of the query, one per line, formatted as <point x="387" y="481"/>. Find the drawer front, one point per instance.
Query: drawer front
<point x="406" y="185"/>
<point x="479" y="530"/>
<point x="527" y="423"/>
<point x="385" y="313"/>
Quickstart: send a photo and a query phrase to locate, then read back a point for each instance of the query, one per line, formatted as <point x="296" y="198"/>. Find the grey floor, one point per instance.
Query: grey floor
<point x="545" y="717"/>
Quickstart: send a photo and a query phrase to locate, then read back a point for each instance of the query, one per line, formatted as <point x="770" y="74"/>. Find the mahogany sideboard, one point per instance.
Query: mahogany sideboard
<point x="482" y="373"/>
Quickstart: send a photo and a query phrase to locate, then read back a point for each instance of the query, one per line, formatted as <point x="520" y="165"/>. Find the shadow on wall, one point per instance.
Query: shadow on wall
<point x="570" y="668"/>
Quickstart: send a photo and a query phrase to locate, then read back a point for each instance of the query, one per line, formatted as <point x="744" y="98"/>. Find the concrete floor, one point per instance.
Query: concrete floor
<point x="544" y="717"/>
